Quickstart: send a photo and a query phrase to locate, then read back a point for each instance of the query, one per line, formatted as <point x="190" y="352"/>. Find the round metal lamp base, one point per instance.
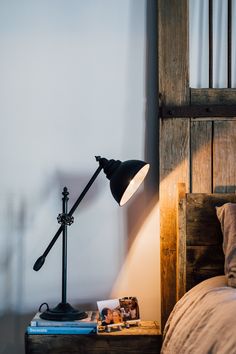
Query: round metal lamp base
<point x="63" y="312"/>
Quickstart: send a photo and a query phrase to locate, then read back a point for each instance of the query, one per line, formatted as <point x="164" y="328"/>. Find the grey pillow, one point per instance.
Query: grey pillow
<point x="227" y="217"/>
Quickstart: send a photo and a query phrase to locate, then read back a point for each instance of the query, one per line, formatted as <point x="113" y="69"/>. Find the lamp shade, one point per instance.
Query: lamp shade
<point x="125" y="177"/>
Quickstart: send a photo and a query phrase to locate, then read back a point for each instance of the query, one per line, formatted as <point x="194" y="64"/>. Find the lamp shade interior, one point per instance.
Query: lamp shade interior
<point x="127" y="179"/>
<point x="134" y="184"/>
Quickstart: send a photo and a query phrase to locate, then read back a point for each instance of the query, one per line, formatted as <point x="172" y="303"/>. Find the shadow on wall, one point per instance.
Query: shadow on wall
<point x="142" y="204"/>
<point x="75" y="184"/>
<point x="12" y="329"/>
<point x="140" y="269"/>
<point x="13" y="324"/>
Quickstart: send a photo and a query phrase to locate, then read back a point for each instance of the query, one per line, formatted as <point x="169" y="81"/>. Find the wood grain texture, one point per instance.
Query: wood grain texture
<point x="213" y="96"/>
<point x="201" y="157"/>
<point x="204" y="253"/>
<point x="213" y="119"/>
<point x="199" y="152"/>
<point x="174" y="135"/>
<point x="224" y="158"/>
<point x="145" y="339"/>
<point x="174" y="148"/>
<point x="146" y="328"/>
<point x="202" y="225"/>
<point x="173" y="51"/>
<point x="181" y="242"/>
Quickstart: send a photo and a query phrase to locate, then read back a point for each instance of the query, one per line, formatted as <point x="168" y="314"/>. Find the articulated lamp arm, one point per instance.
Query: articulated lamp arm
<point x="40" y="261"/>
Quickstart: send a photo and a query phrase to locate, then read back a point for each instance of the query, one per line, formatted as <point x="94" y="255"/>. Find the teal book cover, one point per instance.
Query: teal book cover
<point x="61" y="330"/>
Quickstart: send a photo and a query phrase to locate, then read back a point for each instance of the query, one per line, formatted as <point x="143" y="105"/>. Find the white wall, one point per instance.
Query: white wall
<point x="72" y="86"/>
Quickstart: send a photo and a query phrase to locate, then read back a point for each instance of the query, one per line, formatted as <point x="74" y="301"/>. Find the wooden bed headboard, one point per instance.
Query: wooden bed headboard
<point x="199" y="238"/>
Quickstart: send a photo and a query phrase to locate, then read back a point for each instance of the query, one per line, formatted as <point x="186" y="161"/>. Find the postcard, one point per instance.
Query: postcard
<point x="118" y="311"/>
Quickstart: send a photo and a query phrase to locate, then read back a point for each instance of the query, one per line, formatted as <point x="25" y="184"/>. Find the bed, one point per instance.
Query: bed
<point x="203" y="320"/>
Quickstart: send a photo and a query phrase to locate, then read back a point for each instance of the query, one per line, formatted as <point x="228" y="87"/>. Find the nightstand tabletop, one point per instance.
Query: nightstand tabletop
<point x="145" y="338"/>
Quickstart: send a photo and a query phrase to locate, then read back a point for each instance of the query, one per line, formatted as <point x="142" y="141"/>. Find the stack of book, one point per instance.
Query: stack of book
<point x="85" y="326"/>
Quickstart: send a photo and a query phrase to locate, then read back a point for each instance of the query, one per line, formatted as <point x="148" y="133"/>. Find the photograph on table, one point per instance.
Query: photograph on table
<point x="110" y="312"/>
<point x="129" y="308"/>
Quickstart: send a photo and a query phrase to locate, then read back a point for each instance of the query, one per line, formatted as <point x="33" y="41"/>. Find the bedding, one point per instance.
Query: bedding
<point x="203" y="321"/>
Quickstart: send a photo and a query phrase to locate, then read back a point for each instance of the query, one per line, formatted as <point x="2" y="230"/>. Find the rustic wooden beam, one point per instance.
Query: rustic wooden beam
<point x="173" y="72"/>
<point x="209" y="96"/>
<point x="196" y="111"/>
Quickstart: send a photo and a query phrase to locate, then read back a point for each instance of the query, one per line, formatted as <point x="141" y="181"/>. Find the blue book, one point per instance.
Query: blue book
<point x="60" y="330"/>
<point x="90" y="321"/>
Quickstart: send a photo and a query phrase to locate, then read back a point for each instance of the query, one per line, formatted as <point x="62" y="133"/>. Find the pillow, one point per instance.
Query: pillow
<point x="227" y="217"/>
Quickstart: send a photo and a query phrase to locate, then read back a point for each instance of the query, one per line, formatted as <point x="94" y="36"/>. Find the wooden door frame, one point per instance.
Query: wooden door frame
<point x="181" y="138"/>
<point x="173" y="69"/>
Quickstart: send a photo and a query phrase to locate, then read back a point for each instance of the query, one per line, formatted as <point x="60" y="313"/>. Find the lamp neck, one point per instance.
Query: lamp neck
<point x="108" y="166"/>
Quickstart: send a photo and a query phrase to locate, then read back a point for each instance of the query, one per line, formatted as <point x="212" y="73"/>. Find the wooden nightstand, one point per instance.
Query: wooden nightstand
<point x="143" y="339"/>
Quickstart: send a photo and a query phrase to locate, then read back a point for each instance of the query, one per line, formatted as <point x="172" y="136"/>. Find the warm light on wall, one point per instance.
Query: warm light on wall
<point x="140" y="273"/>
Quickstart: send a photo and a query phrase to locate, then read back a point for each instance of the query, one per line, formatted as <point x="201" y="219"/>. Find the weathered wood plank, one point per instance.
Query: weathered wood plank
<point x="174" y="135"/>
<point x="202" y="225"/>
<point x="201" y="157"/>
<point x="213" y="96"/>
<point x="224" y="158"/>
<point x="205" y="257"/>
<point x="196" y="276"/>
<point x="173" y="51"/>
<point x="181" y="242"/>
<point x="204" y="252"/>
<point x="204" y="237"/>
<point x="202" y="234"/>
<point x="203" y="262"/>
<point x="145" y="339"/>
<point x="173" y="169"/>
<point x="64" y="344"/>
<point x="212" y="119"/>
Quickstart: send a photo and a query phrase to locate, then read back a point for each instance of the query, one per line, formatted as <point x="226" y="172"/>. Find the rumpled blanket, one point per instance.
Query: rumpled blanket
<point x="203" y="321"/>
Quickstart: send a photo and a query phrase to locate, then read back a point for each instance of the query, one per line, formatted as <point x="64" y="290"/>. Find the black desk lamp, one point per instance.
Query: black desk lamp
<point x="125" y="178"/>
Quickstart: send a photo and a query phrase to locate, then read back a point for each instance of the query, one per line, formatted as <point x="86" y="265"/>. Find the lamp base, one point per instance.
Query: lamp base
<point x="63" y="312"/>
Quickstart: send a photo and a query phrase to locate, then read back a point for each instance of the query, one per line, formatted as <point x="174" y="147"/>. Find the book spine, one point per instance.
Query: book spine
<point x="61" y="330"/>
<point x="90" y="321"/>
<point x="44" y="323"/>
